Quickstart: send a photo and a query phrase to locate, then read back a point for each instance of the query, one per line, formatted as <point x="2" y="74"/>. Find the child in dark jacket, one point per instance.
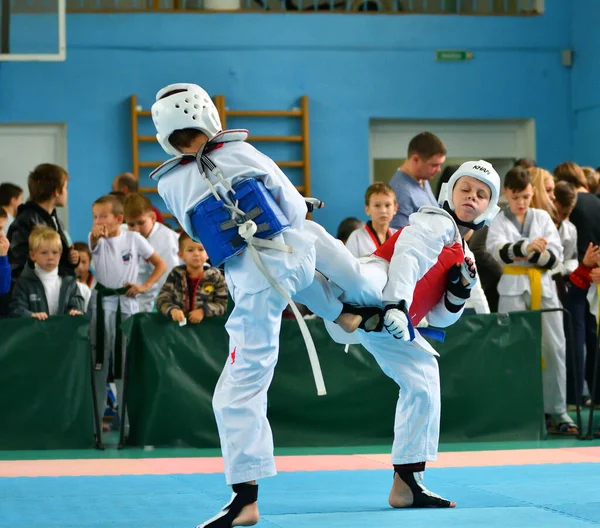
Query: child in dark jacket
<point x="44" y="290"/>
<point x="47" y="191"/>
<point x="190" y="290"/>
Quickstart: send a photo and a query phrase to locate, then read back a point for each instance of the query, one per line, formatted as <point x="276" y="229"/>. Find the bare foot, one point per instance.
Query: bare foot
<point x="248" y="516"/>
<point x="401" y="496"/>
<point x="348" y="322"/>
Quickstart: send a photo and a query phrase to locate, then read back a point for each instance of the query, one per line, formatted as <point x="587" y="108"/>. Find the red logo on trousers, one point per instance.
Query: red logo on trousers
<point x="233" y="356"/>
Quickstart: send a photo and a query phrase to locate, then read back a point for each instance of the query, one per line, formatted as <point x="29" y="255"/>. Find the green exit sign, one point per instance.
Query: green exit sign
<point x="452" y="55"/>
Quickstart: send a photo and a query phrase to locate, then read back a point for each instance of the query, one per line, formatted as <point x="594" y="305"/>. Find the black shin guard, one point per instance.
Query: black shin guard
<point x="243" y="494"/>
<point x="372" y="317"/>
<point x="411" y="475"/>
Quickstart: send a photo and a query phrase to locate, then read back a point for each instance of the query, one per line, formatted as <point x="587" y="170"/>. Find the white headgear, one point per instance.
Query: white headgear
<point x="190" y="108"/>
<point x="484" y="172"/>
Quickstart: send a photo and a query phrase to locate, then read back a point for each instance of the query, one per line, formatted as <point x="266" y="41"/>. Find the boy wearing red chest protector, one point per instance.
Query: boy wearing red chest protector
<point x="425" y="270"/>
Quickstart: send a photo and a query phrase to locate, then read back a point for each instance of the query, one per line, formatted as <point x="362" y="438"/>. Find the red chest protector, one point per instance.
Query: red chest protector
<point x="431" y="287"/>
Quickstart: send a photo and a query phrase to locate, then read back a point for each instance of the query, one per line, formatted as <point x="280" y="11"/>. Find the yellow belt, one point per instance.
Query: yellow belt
<point x="535" y="282"/>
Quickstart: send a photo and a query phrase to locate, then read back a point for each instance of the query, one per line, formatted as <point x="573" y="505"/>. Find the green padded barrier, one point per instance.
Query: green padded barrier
<point x="45" y="384"/>
<point x="490" y="369"/>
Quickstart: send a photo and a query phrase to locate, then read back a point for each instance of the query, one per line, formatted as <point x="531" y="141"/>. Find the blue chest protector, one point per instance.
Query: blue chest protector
<point x="215" y="227"/>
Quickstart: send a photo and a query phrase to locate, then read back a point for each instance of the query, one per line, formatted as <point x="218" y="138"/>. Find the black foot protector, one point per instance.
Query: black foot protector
<point x="243" y="494"/>
<point x="422" y="497"/>
<point x="372" y="317"/>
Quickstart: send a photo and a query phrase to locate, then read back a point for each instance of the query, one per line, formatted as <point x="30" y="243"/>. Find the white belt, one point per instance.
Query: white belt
<point x="247" y="231"/>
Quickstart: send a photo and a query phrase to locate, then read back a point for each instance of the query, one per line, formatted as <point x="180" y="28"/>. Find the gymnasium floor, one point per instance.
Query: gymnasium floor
<point x="554" y="483"/>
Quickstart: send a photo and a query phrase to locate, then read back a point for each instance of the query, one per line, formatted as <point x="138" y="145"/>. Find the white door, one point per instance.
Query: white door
<point x="24" y="146"/>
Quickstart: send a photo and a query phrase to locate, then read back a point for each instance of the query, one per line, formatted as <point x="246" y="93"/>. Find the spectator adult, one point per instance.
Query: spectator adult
<point x="127" y="183"/>
<point x="425" y="157"/>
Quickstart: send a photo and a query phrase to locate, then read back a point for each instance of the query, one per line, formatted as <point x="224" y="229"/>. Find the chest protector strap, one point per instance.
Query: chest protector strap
<point x="225" y="228"/>
<point x="246" y="217"/>
<point x="430" y="288"/>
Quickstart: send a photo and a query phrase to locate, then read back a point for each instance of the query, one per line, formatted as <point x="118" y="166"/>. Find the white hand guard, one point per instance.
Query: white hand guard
<point x="397" y="324"/>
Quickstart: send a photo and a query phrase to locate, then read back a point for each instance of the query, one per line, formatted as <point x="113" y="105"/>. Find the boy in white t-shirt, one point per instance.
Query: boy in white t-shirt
<point x="380" y="206"/>
<point x="141" y="218"/>
<point x="115" y="254"/>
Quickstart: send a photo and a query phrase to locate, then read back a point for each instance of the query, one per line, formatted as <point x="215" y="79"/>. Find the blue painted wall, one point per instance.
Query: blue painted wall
<point x="586" y="82"/>
<point x="352" y="67"/>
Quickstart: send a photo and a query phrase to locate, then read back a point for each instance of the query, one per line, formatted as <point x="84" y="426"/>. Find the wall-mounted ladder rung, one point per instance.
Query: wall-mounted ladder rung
<point x="303" y="139"/>
<point x="264" y="113"/>
<point x="293" y="139"/>
<point x="154" y="190"/>
<point x="154" y="164"/>
<point x="299" y="163"/>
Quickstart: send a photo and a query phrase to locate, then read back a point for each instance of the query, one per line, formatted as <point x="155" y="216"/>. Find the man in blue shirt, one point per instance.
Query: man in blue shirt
<point x="426" y="155"/>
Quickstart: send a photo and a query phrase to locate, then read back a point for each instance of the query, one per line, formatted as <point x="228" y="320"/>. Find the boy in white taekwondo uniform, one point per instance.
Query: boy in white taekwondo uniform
<point x="527" y="243"/>
<point x="380" y="206"/>
<point x="423" y="270"/>
<point x="250" y="217"/>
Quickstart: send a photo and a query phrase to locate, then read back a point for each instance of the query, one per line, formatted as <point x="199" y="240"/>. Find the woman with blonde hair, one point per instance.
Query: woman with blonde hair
<point x="543" y="186"/>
